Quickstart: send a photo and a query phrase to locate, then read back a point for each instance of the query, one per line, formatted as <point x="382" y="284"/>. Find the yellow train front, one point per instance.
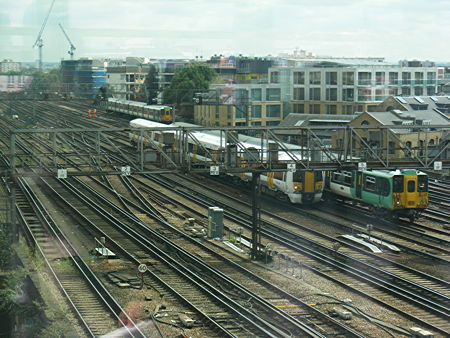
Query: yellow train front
<point x="307" y="186"/>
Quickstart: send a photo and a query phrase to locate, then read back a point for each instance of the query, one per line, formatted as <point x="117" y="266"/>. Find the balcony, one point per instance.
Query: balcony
<point x="399" y="83"/>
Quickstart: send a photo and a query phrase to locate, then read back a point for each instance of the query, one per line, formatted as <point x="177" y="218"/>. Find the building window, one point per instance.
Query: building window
<point x="348" y="109"/>
<point x="393" y="91"/>
<point x="379" y="95"/>
<point x="331" y="94"/>
<point x="299" y="94"/>
<point x="364" y="94"/>
<point x="256" y="94"/>
<point x="314" y="108"/>
<point x="273" y="110"/>
<point x="379" y="78"/>
<point x="430" y="91"/>
<point x="348" y="94"/>
<point x="406" y="91"/>
<point x="391" y="147"/>
<point x="256" y="124"/>
<point x="418" y="78"/>
<point x="298" y="108"/>
<point x="314" y="94"/>
<point x="314" y="78"/>
<point x="364" y="78"/>
<point x="256" y="111"/>
<point x="273" y="94"/>
<point x="274" y="77"/>
<point x="241" y="112"/>
<point x="348" y="78"/>
<point x="272" y="123"/>
<point x="299" y="77"/>
<point x="431" y="78"/>
<point x="418" y="91"/>
<point x="331" y="78"/>
<point x="331" y="109"/>
<point x="393" y="78"/>
<point x="406" y="78"/>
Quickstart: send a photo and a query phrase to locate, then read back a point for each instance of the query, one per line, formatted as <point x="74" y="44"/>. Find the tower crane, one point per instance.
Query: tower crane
<point x="39" y="41"/>
<point x="72" y="47"/>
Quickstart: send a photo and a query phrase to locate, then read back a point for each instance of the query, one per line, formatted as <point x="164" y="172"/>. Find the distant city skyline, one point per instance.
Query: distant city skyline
<point x="393" y="29"/>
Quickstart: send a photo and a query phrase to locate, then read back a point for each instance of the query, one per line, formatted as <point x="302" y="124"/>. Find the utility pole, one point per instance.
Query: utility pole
<point x="39" y="42"/>
<point x="256" y="215"/>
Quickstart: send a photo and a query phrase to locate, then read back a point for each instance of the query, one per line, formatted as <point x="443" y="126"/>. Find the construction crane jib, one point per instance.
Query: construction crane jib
<point x="72" y="47"/>
<point x="39" y="43"/>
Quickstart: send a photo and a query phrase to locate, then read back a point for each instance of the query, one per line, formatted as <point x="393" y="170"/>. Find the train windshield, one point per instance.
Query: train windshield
<point x="318" y="176"/>
<point x="411" y="186"/>
<point x="298" y="176"/>
<point x="398" y="184"/>
<point x="423" y="183"/>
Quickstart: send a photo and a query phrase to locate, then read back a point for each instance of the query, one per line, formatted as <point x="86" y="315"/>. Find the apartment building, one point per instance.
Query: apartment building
<point x="247" y="104"/>
<point x="126" y="78"/>
<point x="83" y="77"/>
<point x="14" y="83"/>
<point x="342" y="88"/>
<point x="8" y="65"/>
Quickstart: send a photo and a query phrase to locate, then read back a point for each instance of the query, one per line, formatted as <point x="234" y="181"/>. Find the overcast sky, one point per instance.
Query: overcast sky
<point x="394" y="29"/>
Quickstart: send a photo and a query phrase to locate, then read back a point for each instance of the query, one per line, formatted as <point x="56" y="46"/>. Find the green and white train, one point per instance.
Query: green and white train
<point x="398" y="193"/>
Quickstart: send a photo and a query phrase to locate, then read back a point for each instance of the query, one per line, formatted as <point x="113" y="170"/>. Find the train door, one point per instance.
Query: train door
<point x="308" y="182"/>
<point x="358" y="186"/>
<point x="410" y="194"/>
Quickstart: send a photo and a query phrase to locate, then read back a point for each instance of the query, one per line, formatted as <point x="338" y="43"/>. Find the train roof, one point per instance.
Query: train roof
<point x="139" y="104"/>
<point x="214" y="141"/>
<point x="390" y="173"/>
<point x="143" y="123"/>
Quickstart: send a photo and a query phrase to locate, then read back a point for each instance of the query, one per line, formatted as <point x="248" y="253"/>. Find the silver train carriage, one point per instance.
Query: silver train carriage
<point x="301" y="187"/>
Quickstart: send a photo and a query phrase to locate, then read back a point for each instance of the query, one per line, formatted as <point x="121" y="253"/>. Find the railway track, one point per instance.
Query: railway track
<point x="95" y="308"/>
<point x="224" y="261"/>
<point x="186" y="282"/>
<point x="321" y="258"/>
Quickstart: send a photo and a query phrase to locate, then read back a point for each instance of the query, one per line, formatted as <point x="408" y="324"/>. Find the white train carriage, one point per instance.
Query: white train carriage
<point x="301" y="187"/>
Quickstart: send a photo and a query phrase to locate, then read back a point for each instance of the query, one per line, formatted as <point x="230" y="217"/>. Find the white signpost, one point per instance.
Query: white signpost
<point x="292" y="167"/>
<point x="362" y="166"/>
<point x="126" y="171"/>
<point x="62" y="173"/>
<point x="142" y="268"/>
<point x="214" y="170"/>
<point x="437" y="165"/>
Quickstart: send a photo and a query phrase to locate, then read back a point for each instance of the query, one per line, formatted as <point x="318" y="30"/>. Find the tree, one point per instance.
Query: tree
<point x="152" y="85"/>
<point x="46" y="82"/>
<point x="186" y="82"/>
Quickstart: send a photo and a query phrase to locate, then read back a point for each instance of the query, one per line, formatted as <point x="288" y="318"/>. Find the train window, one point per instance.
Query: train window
<point x="411" y="186"/>
<point x="318" y="176"/>
<point x="370" y="183"/>
<point x="298" y="176"/>
<point x="383" y="186"/>
<point x="423" y="183"/>
<point x="348" y="178"/>
<point x="398" y="184"/>
<point x="337" y="177"/>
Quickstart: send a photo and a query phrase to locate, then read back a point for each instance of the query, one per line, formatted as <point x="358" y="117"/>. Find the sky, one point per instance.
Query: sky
<point x="394" y="29"/>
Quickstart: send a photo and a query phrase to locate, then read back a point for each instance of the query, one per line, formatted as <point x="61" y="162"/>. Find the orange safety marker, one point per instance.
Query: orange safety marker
<point x="92" y="113"/>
